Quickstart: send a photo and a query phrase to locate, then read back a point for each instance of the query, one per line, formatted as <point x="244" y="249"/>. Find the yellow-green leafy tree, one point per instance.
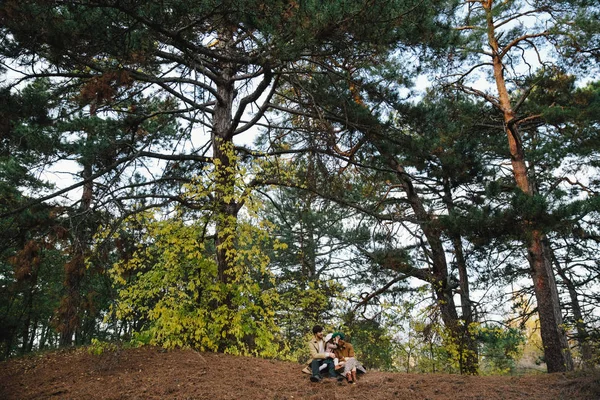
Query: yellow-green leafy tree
<point x="171" y="285"/>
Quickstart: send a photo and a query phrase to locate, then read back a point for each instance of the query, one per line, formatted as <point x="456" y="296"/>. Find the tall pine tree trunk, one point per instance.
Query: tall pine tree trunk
<point x="308" y="242"/>
<point x="556" y="349"/>
<point x="439" y="267"/>
<point x="225" y="164"/>
<point x="70" y="307"/>
<point x="470" y="352"/>
<point x="583" y="336"/>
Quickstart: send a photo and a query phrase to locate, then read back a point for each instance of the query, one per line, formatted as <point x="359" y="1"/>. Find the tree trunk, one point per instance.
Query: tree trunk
<point x="583" y="336"/>
<point x="44" y="335"/>
<point x="439" y="266"/>
<point x="25" y="332"/>
<point x="469" y="365"/>
<point x="225" y="165"/>
<point x="68" y="318"/>
<point x="308" y="236"/>
<point x="70" y="307"/>
<point x="34" y="327"/>
<point x="556" y="349"/>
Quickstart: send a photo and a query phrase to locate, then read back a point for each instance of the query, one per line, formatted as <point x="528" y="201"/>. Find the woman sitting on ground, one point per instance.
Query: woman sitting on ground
<point x="345" y="353"/>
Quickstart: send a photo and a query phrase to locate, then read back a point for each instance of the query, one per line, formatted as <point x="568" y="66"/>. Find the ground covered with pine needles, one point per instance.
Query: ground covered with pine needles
<point x="151" y="373"/>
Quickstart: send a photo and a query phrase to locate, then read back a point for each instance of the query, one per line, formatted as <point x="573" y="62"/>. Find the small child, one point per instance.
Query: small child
<point x="330" y="346"/>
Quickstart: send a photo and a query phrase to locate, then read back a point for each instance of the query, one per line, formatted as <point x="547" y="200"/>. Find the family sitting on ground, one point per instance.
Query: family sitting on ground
<point x="332" y="355"/>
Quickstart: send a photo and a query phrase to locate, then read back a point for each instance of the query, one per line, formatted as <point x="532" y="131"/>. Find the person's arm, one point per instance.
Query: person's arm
<point x="314" y="351"/>
<point x="350" y="350"/>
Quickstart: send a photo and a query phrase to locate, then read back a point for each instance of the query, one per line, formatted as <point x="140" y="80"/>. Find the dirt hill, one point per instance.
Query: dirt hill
<point x="151" y="373"/>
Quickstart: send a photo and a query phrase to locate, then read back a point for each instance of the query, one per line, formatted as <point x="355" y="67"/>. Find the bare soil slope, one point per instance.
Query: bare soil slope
<point x="151" y="373"/>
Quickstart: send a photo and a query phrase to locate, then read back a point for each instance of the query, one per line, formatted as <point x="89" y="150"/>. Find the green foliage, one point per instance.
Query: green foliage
<point x="98" y="347"/>
<point x="428" y="351"/>
<point x="423" y="344"/>
<point x="26" y="135"/>
<point x="303" y="305"/>
<point x="373" y="344"/>
<point x="455" y="347"/>
<point x="30" y="289"/>
<point x="500" y="349"/>
<point x="171" y="284"/>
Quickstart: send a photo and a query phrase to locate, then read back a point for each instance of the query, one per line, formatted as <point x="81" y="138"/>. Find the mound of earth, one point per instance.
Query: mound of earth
<point x="151" y="373"/>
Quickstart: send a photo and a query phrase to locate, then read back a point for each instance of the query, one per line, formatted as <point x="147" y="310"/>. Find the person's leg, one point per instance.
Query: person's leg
<point x="331" y="367"/>
<point x="349" y="377"/>
<point x="353" y="375"/>
<point x="314" y="367"/>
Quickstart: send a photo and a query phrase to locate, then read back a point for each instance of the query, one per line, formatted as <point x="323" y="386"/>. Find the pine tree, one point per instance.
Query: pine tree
<point x="215" y="65"/>
<point x="491" y="25"/>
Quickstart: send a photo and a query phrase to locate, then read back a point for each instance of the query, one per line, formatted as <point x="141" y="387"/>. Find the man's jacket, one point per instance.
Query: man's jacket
<point x="313" y="348"/>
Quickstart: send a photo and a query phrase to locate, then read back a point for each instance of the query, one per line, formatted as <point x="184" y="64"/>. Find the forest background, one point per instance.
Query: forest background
<point x="450" y="227"/>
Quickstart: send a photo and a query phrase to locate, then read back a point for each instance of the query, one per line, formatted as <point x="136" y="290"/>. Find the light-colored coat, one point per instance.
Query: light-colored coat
<point x="313" y="348"/>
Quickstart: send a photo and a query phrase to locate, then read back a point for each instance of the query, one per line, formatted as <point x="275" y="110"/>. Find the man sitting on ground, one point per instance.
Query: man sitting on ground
<point x="319" y="356"/>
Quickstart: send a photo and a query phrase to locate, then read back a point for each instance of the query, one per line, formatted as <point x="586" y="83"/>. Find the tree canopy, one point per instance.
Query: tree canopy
<point x="225" y="174"/>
